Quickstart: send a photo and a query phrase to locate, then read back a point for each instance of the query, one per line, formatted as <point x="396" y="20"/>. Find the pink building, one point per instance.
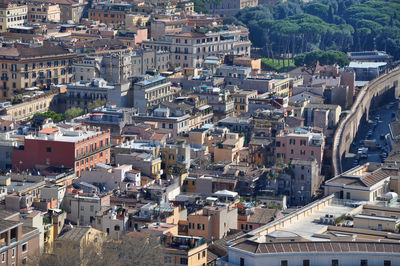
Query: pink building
<point x="300" y="144"/>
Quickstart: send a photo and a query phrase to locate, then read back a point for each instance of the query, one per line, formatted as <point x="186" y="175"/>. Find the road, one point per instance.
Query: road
<point x="386" y="114"/>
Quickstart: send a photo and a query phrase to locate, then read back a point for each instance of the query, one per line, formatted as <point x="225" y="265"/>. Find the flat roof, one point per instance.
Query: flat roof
<point x="356" y="64"/>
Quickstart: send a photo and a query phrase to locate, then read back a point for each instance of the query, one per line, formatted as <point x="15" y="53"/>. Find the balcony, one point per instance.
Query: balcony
<point x="87" y="154"/>
<point x="4" y="78"/>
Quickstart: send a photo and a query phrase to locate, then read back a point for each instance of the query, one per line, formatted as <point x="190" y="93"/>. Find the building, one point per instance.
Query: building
<point x="81" y="209"/>
<point x="109" y="13"/>
<point x="175" y="155"/>
<point x="213" y="222"/>
<point x="113" y="221"/>
<point x="184" y="250"/>
<point x="24" y="67"/>
<point x="230" y="8"/>
<point x="366" y="71"/>
<point x="363" y="183"/>
<point x="43" y="12"/>
<point x="148" y="164"/>
<point x="241" y="99"/>
<point x="312" y="235"/>
<point x="219" y="99"/>
<point x="151" y="92"/>
<point x="87" y="69"/>
<point x="305" y="181"/>
<point x="110" y="118"/>
<point x="300" y="144"/>
<point x="79" y="149"/>
<point x="18" y="242"/>
<point x="11" y="15"/>
<point x="37" y="102"/>
<point x="93" y="94"/>
<point x="108" y="178"/>
<point x="190" y="49"/>
<point x="79" y="237"/>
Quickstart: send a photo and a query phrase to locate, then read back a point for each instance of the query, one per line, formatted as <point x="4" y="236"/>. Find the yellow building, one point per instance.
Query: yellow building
<point x="241" y="99"/>
<point x="228" y="151"/>
<point x="35" y="104"/>
<point x="194" y="253"/>
<point x="24" y="67"/>
<point x="12" y="15"/>
<point x="281" y="86"/>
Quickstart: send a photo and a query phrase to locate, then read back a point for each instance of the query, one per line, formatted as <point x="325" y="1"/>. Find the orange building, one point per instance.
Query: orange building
<point x="109" y="13"/>
<point x="63" y="146"/>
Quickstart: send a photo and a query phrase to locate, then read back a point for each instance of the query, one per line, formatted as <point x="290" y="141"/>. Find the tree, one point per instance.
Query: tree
<point x="144" y="249"/>
<point x="73" y="112"/>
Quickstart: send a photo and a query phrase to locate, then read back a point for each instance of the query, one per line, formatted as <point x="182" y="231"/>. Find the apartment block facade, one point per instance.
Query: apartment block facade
<point x="77" y="149"/>
<point x="190" y="49"/>
<point x="12" y="15"/>
<point x="25" y="67"/>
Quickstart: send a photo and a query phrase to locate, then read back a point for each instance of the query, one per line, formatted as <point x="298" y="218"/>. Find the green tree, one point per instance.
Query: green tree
<point x="73" y="112"/>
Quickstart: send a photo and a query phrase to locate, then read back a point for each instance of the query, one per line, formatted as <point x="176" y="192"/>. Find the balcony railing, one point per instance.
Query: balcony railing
<point x="87" y="154"/>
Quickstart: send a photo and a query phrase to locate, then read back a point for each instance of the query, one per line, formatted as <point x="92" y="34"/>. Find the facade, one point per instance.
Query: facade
<point x="12" y="15"/>
<point x="300" y="144"/>
<point x="190" y="49"/>
<point x="151" y="92"/>
<point x="18" y="242"/>
<point x="363" y="183"/>
<point x="194" y="252"/>
<point x="34" y="104"/>
<point x="39" y="12"/>
<point x="109" y="13"/>
<point x="25" y="67"/>
<point x="305" y="181"/>
<point x="213" y="222"/>
<point x="148" y="164"/>
<point x="77" y="149"/>
<point x="230" y="8"/>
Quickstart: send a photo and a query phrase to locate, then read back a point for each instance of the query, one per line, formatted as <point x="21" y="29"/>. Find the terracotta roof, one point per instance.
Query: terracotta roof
<point x="318" y="246"/>
<point x="262" y="215"/>
<point x="157" y="136"/>
<point x="49" y="130"/>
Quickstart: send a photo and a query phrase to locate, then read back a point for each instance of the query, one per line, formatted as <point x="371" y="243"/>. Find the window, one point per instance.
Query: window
<point x="198" y="226"/>
<point x="204" y="253"/>
<point x="284" y="263"/>
<point x="13" y="253"/>
<point x="167" y="259"/>
<point x="184" y="261"/>
<point x="241" y="261"/>
<point x="24" y="261"/>
<point x="48" y="149"/>
<point x="25" y="247"/>
<point x="116" y="228"/>
<point x="335" y="262"/>
<point x="363" y="262"/>
<point x="387" y="263"/>
<point x="306" y="262"/>
<point x="3" y="257"/>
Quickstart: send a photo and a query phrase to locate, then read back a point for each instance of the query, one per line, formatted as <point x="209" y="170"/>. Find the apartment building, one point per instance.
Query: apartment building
<point x="109" y="13"/>
<point x="82" y="208"/>
<point x="148" y="164"/>
<point x="184" y="250"/>
<point x="304" y="182"/>
<point x="175" y="155"/>
<point x="229" y="7"/>
<point x="87" y="69"/>
<point x="300" y="144"/>
<point x="150" y="92"/>
<point x="228" y="150"/>
<point x="241" y="99"/>
<point x="190" y="49"/>
<point x="11" y="15"/>
<point x="110" y="118"/>
<point x="76" y="148"/>
<point x="40" y="12"/>
<point x="37" y="102"/>
<point x="220" y="99"/>
<point x="213" y="222"/>
<point x="25" y="67"/>
<point x="18" y="243"/>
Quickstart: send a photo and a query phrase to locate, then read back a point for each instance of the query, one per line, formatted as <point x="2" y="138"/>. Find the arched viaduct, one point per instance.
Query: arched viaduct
<point x="372" y="94"/>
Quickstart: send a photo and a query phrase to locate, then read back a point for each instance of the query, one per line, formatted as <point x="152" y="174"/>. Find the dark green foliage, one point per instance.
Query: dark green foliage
<point x="294" y="27"/>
